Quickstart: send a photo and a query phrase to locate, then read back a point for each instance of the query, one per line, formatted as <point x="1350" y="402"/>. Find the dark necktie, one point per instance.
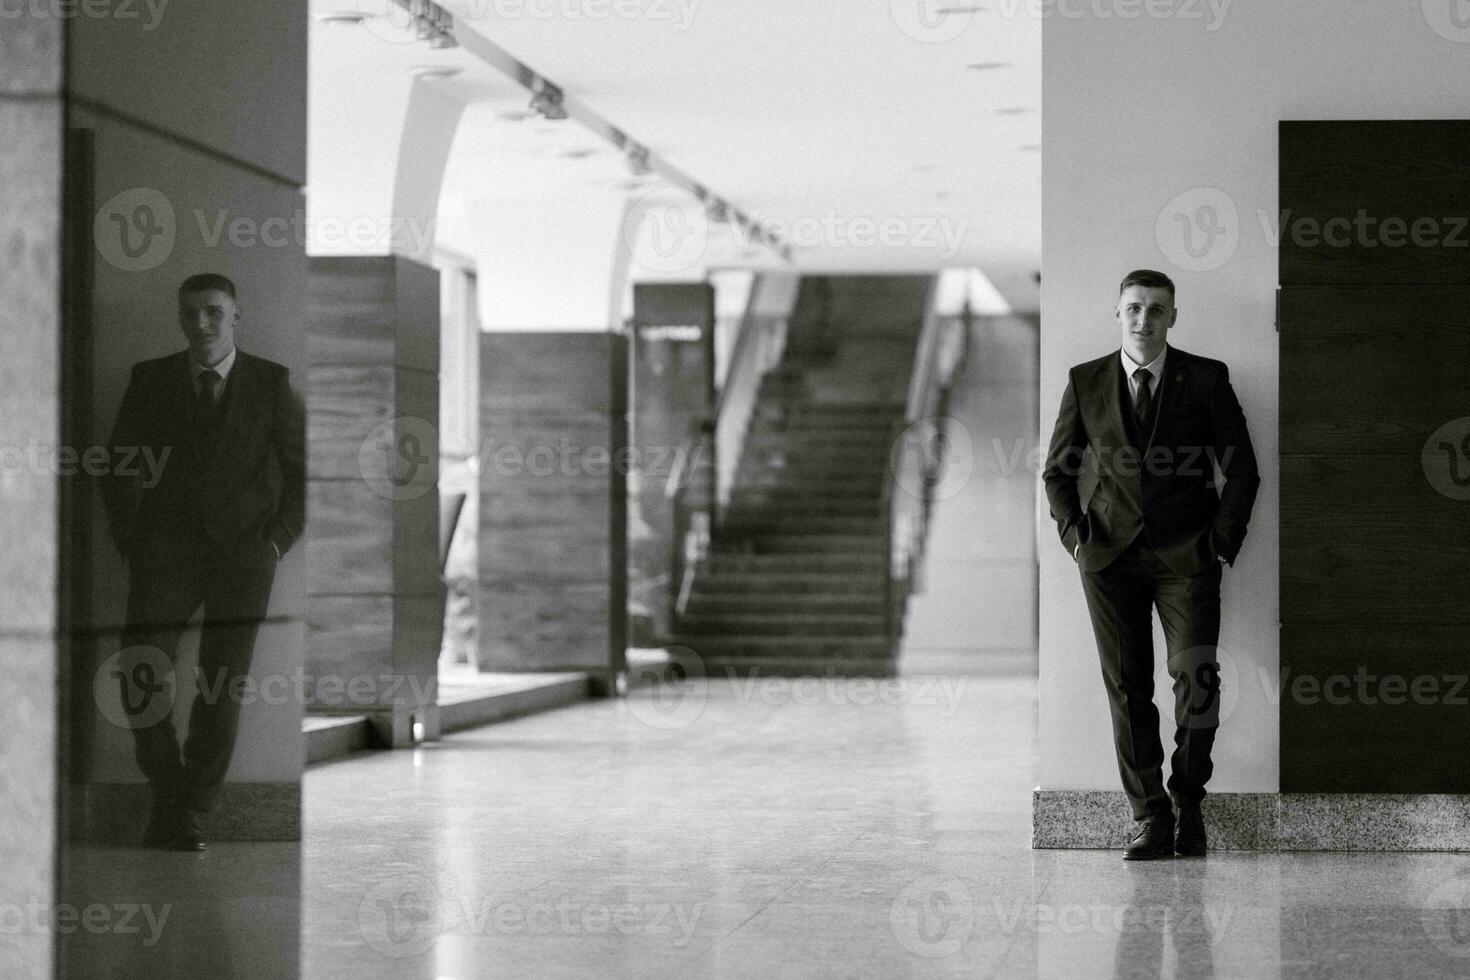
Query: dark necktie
<point x="204" y="401"/>
<point x="1144" y="403"/>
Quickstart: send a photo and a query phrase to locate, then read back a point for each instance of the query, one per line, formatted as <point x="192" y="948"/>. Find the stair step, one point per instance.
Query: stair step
<point x="747" y="625"/>
<point x="777" y="496"/>
<point x="787" y="646"/>
<point x="772" y="480"/>
<point x="781" y="523"/>
<point x="766" y="544"/>
<point x="771" y="434"/>
<point x="842" y="460"/>
<point x="857" y="432"/>
<point x="723" y="584"/>
<point x="832" y="603"/>
<point x="840" y="419"/>
<point x="791" y="564"/>
<point x="814" y="406"/>
<point x="816" y="449"/>
<point x="871" y="464"/>
<point x="821" y="452"/>
<point x="812" y="470"/>
<point x="747" y="514"/>
<point x="758" y="666"/>
<point x="798" y="503"/>
<point x="808" y="505"/>
<point x="804" y="474"/>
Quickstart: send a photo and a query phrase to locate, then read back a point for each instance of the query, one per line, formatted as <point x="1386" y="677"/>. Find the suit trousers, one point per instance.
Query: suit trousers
<point x="164" y="593"/>
<point x="1120" y="600"/>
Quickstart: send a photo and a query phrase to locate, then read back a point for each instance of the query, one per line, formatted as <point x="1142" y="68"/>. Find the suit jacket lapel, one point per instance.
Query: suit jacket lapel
<point x="1114" y="389"/>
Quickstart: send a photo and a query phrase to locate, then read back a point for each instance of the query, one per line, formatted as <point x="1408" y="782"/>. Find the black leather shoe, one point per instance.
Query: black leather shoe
<point x="1190" y="840"/>
<point x="1153" y="839"/>
<point x="188" y="837"/>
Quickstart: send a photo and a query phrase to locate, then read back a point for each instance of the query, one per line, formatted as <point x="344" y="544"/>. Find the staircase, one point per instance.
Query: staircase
<point x="795" y="581"/>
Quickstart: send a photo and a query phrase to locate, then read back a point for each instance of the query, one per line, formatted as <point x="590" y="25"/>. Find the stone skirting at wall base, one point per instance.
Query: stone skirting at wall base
<point x="1268" y="821"/>
<point x="117" y="813"/>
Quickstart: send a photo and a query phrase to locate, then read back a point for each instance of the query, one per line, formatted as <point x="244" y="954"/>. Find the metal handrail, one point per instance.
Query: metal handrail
<point x="913" y="471"/>
<point x="692" y="520"/>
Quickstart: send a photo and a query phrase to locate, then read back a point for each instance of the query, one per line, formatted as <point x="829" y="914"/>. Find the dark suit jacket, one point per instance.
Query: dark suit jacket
<point x="241" y="488"/>
<point x="1160" y="483"/>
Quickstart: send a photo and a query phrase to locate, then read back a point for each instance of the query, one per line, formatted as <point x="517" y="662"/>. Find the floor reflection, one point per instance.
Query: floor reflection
<point x="232" y="913"/>
<point x="774" y="831"/>
<point x="1174" y="908"/>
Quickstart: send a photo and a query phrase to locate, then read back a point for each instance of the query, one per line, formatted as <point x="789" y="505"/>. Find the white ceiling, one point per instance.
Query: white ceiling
<point x="839" y="116"/>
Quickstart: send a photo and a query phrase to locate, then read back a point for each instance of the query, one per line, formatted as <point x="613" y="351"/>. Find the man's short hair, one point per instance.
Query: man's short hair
<point x="1147" y="278"/>
<point x="207" y="280"/>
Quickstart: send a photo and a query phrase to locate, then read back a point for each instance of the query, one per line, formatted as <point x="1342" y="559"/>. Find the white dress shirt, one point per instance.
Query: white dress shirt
<point x="222" y="369"/>
<point x="1154" y="367"/>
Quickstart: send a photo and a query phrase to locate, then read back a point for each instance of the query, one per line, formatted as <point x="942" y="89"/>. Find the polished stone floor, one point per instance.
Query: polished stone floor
<point x="754" y="829"/>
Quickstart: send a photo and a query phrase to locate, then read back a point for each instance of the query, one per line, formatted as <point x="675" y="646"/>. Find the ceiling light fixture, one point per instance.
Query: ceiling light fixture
<point x="715" y="210"/>
<point x="547" y="100"/>
<point x="430" y="22"/>
<point x="644" y="169"/>
<point x="638" y="160"/>
<point x="987" y="65"/>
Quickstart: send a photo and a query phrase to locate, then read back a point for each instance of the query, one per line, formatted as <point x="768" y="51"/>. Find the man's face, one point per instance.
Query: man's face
<point x="1145" y="314"/>
<point x="208" y="319"/>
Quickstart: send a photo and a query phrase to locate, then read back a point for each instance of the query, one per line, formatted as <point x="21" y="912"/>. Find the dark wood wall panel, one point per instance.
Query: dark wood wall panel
<point x="1369" y="173"/>
<point x="1372" y="369"/>
<point x="1407" y="687"/>
<point x="1375" y="539"/>
<point x="374" y="310"/>
<point x="552" y="529"/>
<point x="376" y="598"/>
<point x="1367" y="539"/>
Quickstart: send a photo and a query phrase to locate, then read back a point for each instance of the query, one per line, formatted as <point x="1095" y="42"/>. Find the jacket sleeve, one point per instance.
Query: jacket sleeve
<point x="1237" y="461"/>
<point x="119" y="485"/>
<point x="1064" y="465"/>
<point x="288" y="442"/>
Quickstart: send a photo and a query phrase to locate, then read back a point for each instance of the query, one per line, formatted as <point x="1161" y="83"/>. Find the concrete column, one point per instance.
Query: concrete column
<point x="30" y="326"/>
<point x="375" y="605"/>
<point x="673" y="388"/>
<point x="553" y="502"/>
<point x="1200" y="202"/>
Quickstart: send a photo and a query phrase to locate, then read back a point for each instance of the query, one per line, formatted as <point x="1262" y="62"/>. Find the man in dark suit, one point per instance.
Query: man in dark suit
<point x="208" y="532"/>
<point x="1153" y="422"/>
